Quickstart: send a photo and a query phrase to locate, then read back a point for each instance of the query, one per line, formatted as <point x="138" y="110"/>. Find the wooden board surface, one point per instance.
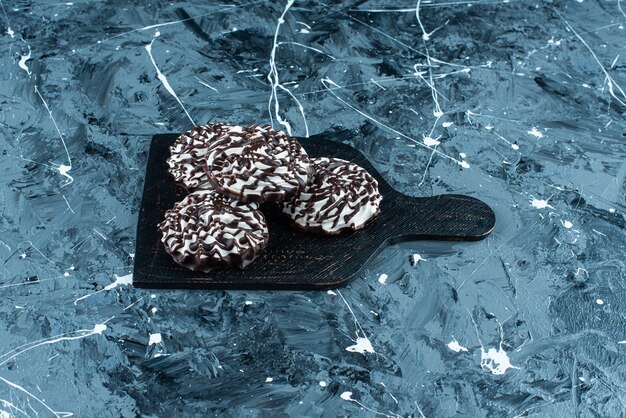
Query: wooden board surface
<point x="294" y="259"/>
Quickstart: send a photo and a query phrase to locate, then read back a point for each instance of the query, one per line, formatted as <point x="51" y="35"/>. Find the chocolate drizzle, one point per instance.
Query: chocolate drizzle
<point x="341" y="196"/>
<point x="257" y="165"/>
<point x="188" y="153"/>
<point x="231" y="169"/>
<point x="207" y="230"/>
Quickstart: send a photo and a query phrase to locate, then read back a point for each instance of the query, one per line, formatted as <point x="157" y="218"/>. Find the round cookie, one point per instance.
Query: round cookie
<point x="188" y="153"/>
<point x="341" y="196"/>
<point x="257" y="165"/>
<point x="207" y="230"/>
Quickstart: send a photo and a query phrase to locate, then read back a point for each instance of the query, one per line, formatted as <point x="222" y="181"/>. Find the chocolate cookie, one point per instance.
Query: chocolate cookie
<point x="341" y="196"/>
<point x="257" y="165"/>
<point x="207" y="230"/>
<point x="188" y="153"/>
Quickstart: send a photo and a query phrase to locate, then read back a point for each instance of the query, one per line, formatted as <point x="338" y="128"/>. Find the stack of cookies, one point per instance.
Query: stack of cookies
<point x="230" y="170"/>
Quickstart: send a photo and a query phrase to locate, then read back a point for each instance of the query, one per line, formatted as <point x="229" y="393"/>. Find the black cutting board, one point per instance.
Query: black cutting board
<point x="294" y="259"/>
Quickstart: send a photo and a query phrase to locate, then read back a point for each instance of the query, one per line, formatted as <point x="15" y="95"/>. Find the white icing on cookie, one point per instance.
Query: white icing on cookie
<point x="207" y="230"/>
<point x="341" y="196"/>
<point x="188" y="153"/>
<point x="257" y="165"/>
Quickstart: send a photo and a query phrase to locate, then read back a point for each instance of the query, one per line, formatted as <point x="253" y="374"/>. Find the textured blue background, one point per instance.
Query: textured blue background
<point x="517" y="103"/>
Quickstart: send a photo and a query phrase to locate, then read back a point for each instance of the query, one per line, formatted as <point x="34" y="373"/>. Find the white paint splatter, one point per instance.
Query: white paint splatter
<point x="56" y="414"/>
<point x="247" y="71"/>
<point x="205" y="84"/>
<point x="417" y="258"/>
<point x="390" y="394"/>
<point x="100" y="234"/>
<point x="330" y="292"/>
<point x="551" y="41"/>
<point x="68" y="203"/>
<point x="425" y="35"/>
<point x="378" y="84"/>
<point x="272" y="77"/>
<point x="580" y="270"/>
<point x="447" y="124"/>
<point x="155" y="339"/>
<point x="303" y="24"/>
<point x="567" y="224"/>
<point x="269" y="380"/>
<point x="363" y="345"/>
<point x="327" y="83"/>
<point x="99" y="328"/>
<point x="382" y="278"/>
<point x="463" y="155"/>
<point x="455" y="346"/>
<point x="347" y="396"/>
<point x="323" y="384"/>
<point x="22" y="62"/>
<point x="163" y="79"/>
<point x="10" y="32"/>
<point x="431" y="142"/>
<point x="540" y="203"/>
<point x="535" y="132"/>
<point x="248" y="302"/>
<point x="69" y="336"/>
<point x="119" y="281"/>
<point x="599" y="301"/>
<point x="5" y="414"/>
<point x="63" y="169"/>
<point x="611" y="210"/>
<point x="495" y="360"/>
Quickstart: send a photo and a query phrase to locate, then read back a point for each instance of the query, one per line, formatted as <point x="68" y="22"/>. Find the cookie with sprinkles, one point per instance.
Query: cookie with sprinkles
<point x="257" y="164"/>
<point x="207" y="230"/>
<point x="188" y="153"/>
<point x="341" y="196"/>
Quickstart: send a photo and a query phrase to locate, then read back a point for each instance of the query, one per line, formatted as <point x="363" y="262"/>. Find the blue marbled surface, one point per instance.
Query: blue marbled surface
<point x="518" y="103"/>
